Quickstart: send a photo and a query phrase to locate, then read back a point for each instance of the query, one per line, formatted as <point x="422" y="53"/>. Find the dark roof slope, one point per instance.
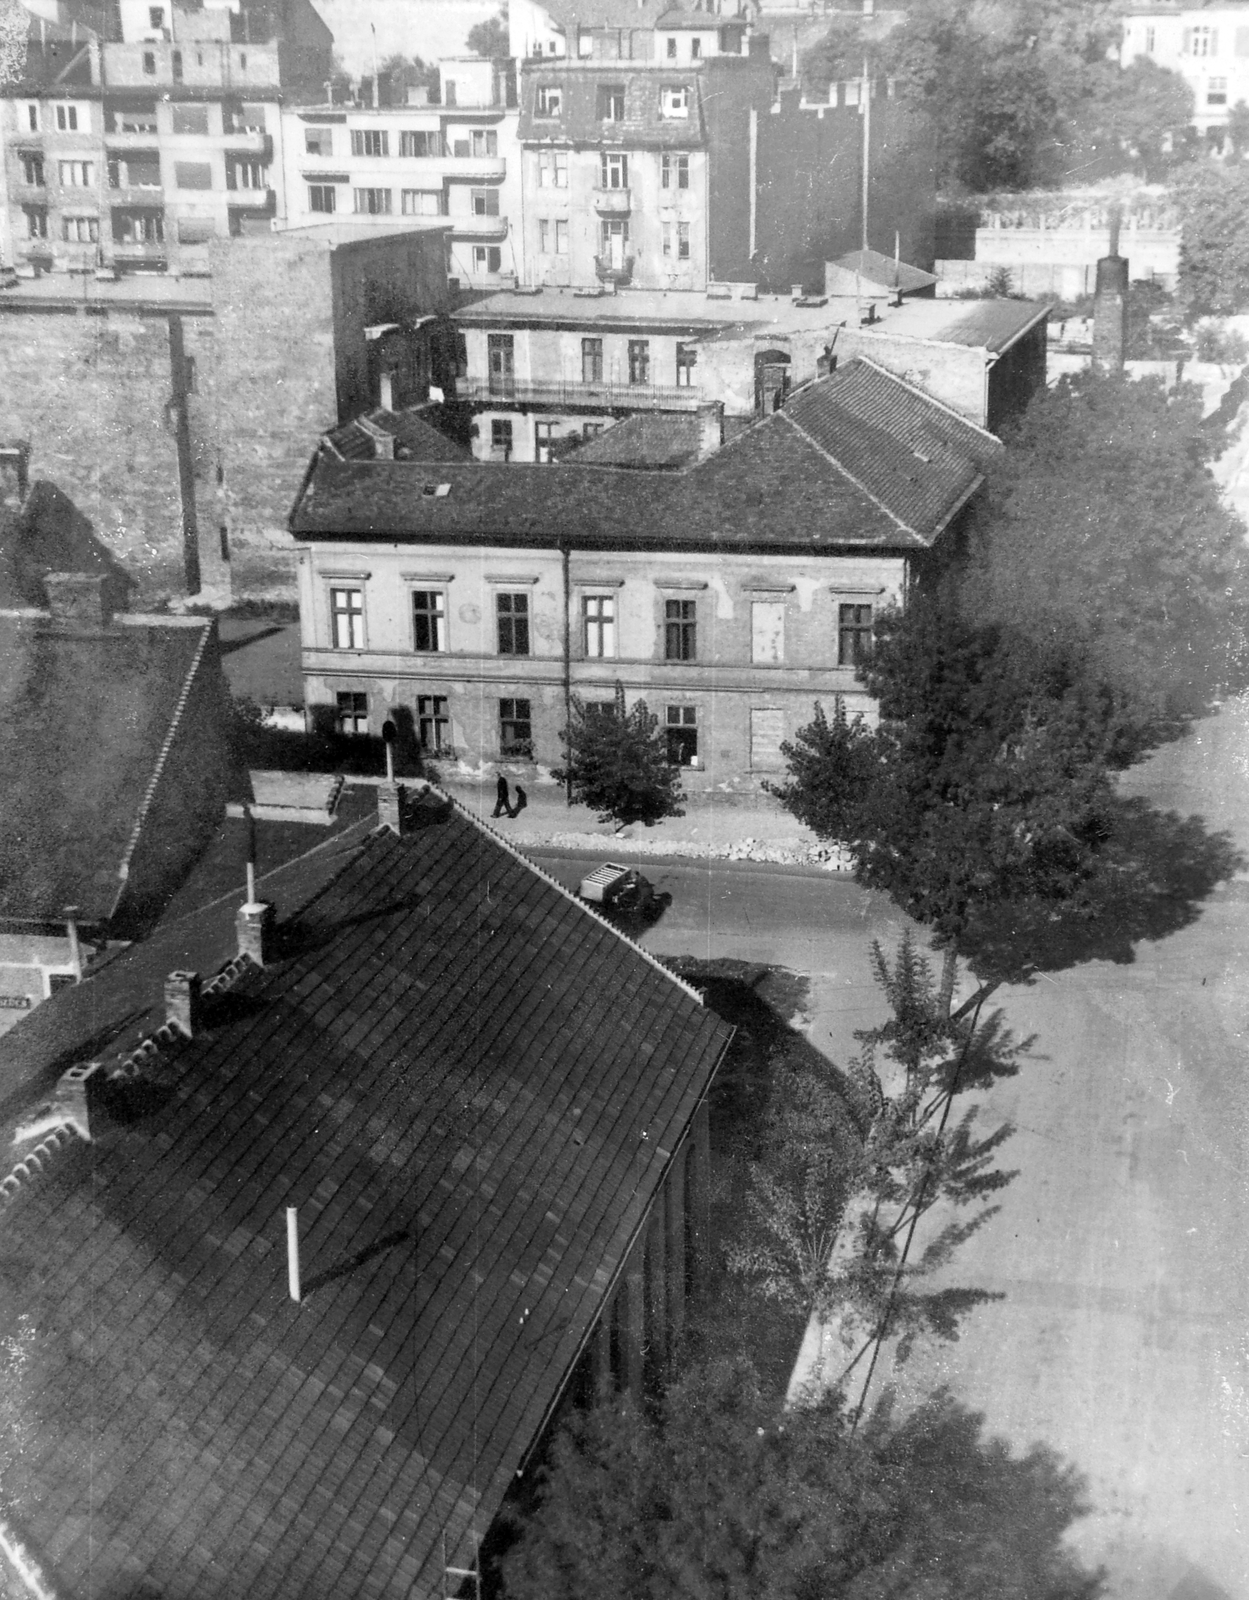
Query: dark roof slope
<point x="87" y="716"/>
<point x="646" y="439"/>
<point x="579" y="120"/>
<point x="994" y="324"/>
<point x="471" y="1088"/>
<point x="415" y="439"/>
<point x="876" y="268"/>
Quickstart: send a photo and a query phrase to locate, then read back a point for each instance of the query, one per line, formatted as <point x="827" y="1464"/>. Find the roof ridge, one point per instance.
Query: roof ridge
<point x="924" y="395"/>
<point x="576" y="900"/>
<point x="861" y="487"/>
<point x="33" y="1162"/>
<point x="175" y="723"/>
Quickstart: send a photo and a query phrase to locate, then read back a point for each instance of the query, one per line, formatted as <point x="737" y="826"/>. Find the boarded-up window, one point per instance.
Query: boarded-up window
<point x="767" y="631"/>
<point x="767" y="730"/>
<point x="193" y="174"/>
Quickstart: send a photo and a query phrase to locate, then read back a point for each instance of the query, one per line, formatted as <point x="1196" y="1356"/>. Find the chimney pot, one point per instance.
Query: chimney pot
<point x="255" y="925"/>
<point x="182" y="1002"/>
<point x="392" y="807"/>
<point x="77" y="599"/>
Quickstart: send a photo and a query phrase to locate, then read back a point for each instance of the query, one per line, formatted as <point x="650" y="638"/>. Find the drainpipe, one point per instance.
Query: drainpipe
<point x="186" y="467"/>
<point x="565" y="557"/>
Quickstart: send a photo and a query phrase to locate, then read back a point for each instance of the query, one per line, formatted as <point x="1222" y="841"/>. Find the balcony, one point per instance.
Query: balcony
<point x="620" y="273"/>
<point x="487" y="169"/>
<point x="477" y="228"/>
<point x="136" y="195"/>
<point x="251" y="200"/>
<point x="612" y="202"/>
<point x="140" y="257"/>
<point x="607" y="394"/>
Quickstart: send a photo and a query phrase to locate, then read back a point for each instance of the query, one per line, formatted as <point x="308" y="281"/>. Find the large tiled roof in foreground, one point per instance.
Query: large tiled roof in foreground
<point x="833" y="471"/>
<point x="471" y="1088"/>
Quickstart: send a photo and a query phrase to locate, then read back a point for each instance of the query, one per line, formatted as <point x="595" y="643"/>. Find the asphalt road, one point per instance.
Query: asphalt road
<point x="1123" y="1246"/>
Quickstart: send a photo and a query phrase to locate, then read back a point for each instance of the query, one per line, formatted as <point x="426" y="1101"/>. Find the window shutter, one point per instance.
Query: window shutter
<point x="1188" y="42"/>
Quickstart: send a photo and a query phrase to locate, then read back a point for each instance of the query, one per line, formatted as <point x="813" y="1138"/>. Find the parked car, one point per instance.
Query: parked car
<point x="623" y="890"/>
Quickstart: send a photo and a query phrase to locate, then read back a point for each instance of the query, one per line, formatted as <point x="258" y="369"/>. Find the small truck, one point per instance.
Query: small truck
<point x="618" y="888"/>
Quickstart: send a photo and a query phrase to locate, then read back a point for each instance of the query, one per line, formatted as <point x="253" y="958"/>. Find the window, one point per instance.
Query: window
<point x="1216" y="92"/>
<point x="501" y="438"/>
<point x="137" y="119"/>
<point x="246" y="174"/>
<point x="550" y="101"/>
<point x="696" y="49"/>
<point x="67" y="119"/>
<point x="611" y="102"/>
<point x="561" y="237"/>
<point x="1204" y="41"/>
<point x="433" y="724"/>
<point x="639" y="361"/>
<point x="460" y="149"/>
<point x="422" y="202"/>
<point x="544" y="237"/>
<point x="591" y="361"/>
<point x="138" y="227"/>
<point x="515" y="729"/>
<point x="500" y="362"/>
<point x="485" y="142"/>
<point x="675" y="172"/>
<point x="80" y="230"/>
<point x="420" y="144"/>
<point x="149" y="63"/>
<point x="156" y="16"/>
<point x="674" y="102"/>
<point x="552" y="169"/>
<point x="429" y="619"/>
<point x="32" y="118"/>
<point x="36" y="222"/>
<point x="448" y="92"/>
<point x="32" y="169"/>
<point x="670" y="48"/>
<point x="353" y="712"/>
<point x="513" y="617"/>
<point x="138" y="170"/>
<point x="485" y="202"/>
<point x="1149" y="41"/>
<point x="599" y="616"/>
<point x="190" y="119"/>
<point x="322" y="197"/>
<point x="77" y="174"/>
<point x="487" y="258"/>
<point x="372" y="202"/>
<point x="614" y="171"/>
<point x="854" y="634"/>
<point x="683" y="241"/>
<point x="370" y="142"/>
<point x="319" y="141"/>
<point x="175" y="62"/>
<point x="193" y="174"/>
<point x="682" y="731"/>
<point x="544" y="439"/>
<point x="347" y="619"/>
<point x="687" y="361"/>
<point x="680" y="630"/>
<point x="591" y="430"/>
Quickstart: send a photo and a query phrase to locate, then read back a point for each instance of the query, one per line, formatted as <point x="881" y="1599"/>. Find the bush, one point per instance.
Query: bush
<point x="1217" y="343"/>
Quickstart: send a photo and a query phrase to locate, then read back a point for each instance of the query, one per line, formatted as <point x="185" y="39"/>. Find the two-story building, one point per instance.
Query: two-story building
<point x="1208" y="46"/>
<point x="731" y="593"/>
<point x="457" y="160"/>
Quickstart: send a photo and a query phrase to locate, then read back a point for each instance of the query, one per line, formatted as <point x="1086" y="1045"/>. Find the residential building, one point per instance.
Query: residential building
<point x="542" y="368"/>
<point x="114" y="748"/>
<point x="342" y="1226"/>
<point x="1208" y="46"/>
<point x="132" y="150"/>
<point x="731" y="594"/>
<point x="458" y="160"/>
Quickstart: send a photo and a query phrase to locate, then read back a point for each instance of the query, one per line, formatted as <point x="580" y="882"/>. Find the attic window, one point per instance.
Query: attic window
<point x="674" y="101"/>
<point x="436" y="491"/>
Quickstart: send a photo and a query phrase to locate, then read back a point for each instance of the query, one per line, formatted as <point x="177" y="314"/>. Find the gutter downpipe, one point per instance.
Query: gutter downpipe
<point x="564" y="562"/>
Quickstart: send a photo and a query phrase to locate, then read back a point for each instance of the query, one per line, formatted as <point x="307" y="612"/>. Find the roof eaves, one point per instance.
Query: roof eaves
<point x="850" y="478"/>
<point x="956" y="507"/>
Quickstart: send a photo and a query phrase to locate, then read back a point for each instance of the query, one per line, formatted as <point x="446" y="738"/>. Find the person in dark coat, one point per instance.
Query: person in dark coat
<point x="522" y="800"/>
<point x="502" y="802"/>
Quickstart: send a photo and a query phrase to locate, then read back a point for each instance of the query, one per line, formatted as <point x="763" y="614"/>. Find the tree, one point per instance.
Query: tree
<point x="1238" y="128"/>
<point x="1102" y="527"/>
<point x="617" y="762"/>
<point x="723" y="1497"/>
<point x="490" y="38"/>
<point x="398" y="73"/>
<point x="14" y="30"/>
<point x="831" y="1221"/>
<point x="1213" y="201"/>
<point x="1134" y="116"/>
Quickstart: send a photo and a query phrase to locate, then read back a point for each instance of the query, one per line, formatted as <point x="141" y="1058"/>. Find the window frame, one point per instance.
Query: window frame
<point x="347" y="709"/>
<point x="675" y="101"/>
<point x="611" y="102"/>
<point x="323" y="191"/>
<point x="639" y="351"/>
<point x="512" y="617"/>
<point x="520" y="745"/>
<point x="352" y="614"/>
<point x="484" y="202"/>
<point x="319" y="141"/>
<point x="548" y="101"/>
<point x="77" y="224"/>
<point x="69" y="166"/>
<point x="363" y="138"/>
<point x="502" y="439"/>
<point x="433" y="710"/>
<point x="687" y="364"/>
<point x="680" y="629"/>
<point x="34" y="171"/>
<point x="598" y="625"/>
<point x="435" y="617"/>
<point x="681" y="733"/>
<point x="853" y="631"/>
<point x="613" y="171"/>
<point x="592" y="359"/>
<point x="370" y="209"/>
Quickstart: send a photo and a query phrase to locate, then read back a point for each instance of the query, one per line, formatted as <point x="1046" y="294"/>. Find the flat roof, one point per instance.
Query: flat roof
<point x="160" y="291"/>
<point x="336" y="233"/>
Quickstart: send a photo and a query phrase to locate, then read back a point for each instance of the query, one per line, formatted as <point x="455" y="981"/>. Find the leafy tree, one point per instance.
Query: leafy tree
<point x="398" y="73"/>
<point x="14" y="30"/>
<point x="617" y="763"/>
<point x="1141" y="112"/>
<point x="1213" y="201"/>
<point x="831" y="1221"/>
<point x="490" y="38"/>
<point x="722" y="1497"/>
<point x="1102" y="527"/>
<point x="1238" y="128"/>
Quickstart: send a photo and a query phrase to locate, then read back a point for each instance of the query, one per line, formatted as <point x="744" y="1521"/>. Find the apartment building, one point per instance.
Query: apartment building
<point x="731" y="592"/>
<point x="1208" y="46"/>
<point x="132" y="152"/>
<point x="381" y="164"/>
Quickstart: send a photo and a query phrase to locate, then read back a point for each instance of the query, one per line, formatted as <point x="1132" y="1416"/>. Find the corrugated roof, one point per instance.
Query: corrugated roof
<point x="86" y="718"/>
<point x="471" y="1088"/>
<point x="646" y="439"/>
<point x="415" y="438"/>
<point x="579" y="120"/>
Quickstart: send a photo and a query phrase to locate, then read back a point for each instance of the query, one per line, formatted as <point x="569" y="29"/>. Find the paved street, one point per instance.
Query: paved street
<point x="1123" y="1246"/>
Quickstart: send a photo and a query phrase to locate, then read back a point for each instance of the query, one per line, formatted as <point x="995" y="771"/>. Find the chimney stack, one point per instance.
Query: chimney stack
<point x="182" y="1002"/>
<point x="14" y="474"/>
<point x="710" y="429"/>
<point x="1110" y="305"/>
<point x="76" y="599"/>
<point x="255" y="924"/>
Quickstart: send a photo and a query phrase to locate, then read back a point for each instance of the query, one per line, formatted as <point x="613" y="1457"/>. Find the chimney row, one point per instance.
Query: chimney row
<point x="182" y="1002"/>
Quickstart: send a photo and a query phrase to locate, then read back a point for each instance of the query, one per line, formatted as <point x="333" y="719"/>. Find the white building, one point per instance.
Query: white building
<point x="1207" y="45"/>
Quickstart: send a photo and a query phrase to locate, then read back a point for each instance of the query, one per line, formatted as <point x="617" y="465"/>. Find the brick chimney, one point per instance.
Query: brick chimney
<point x="710" y="429"/>
<point x="14" y="475"/>
<point x="255" y="926"/>
<point x="392" y="807"/>
<point x="1110" y="306"/>
<point x="77" y="599"/>
<point x="182" y="1002"/>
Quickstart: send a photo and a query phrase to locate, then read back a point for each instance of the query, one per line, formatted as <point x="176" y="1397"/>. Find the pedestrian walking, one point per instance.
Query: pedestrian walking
<point x="522" y="801"/>
<point x="502" y="800"/>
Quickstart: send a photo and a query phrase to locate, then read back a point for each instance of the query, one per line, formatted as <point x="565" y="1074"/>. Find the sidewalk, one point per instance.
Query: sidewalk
<point x="714" y="827"/>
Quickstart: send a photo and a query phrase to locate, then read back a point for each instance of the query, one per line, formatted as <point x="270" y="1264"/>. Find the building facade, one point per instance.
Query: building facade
<point x="1208" y="46"/>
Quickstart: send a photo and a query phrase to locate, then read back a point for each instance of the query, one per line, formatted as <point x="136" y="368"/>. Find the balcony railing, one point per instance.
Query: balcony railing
<point x="474" y="227"/>
<point x="570" y="392"/>
<point x="252" y="200"/>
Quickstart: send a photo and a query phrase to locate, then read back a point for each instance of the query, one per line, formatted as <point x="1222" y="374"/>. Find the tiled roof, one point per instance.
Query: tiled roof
<point x="579" y="121"/>
<point x="632" y="14"/>
<point x="471" y="1088"/>
<point x="415" y="438"/>
<point x="833" y="471"/>
<point x="50" y="534"/>
<point x="86" y="719"/>
<point x="646" y="439"/>
<point x="876" y="268"/>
